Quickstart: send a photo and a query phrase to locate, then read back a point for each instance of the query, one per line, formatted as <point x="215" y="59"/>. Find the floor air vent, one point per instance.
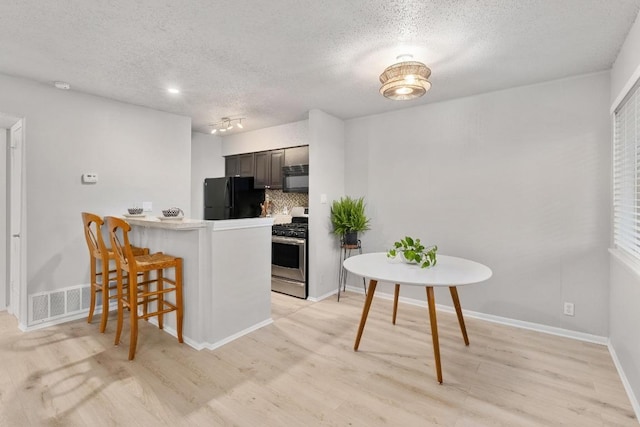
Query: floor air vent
<point x="49" y="306"/>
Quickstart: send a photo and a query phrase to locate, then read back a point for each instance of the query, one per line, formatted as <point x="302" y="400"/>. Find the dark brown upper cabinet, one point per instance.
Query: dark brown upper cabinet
<point x="266" y="166"/>
<point x="268" y="169"/>
<point x="296" y="156"/>
<point x="239" y="165"/>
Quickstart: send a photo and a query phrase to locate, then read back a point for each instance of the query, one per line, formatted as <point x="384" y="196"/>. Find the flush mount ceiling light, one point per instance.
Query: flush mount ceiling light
<point x="226" y="124"/>
<point x="173" y="90"/>
<point x="405" y="80"/>
<point x="62" y="85"/>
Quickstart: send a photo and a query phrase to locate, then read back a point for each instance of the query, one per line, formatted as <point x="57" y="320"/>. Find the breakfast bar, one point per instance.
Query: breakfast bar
<point x="227" y="274"/>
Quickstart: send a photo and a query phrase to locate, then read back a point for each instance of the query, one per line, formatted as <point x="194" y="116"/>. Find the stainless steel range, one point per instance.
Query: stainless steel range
<point x="289" y="253"/>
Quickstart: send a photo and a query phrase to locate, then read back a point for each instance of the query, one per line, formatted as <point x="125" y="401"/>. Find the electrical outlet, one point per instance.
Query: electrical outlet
<point x="90" y="178"/>
<point x="568" y="309"/>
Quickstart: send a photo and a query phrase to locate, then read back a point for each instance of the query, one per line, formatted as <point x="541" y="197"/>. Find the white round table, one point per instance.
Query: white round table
<point x="449" y="271"/>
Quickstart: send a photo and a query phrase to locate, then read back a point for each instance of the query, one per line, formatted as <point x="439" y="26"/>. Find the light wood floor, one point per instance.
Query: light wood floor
<point x="302" y="371"/>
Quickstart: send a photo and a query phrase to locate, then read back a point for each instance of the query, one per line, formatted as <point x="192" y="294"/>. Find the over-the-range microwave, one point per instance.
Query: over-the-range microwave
<point x="295" y="179"/>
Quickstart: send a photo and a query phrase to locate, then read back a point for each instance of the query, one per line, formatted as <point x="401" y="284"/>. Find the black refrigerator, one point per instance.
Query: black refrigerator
<point x="231" y="197"/>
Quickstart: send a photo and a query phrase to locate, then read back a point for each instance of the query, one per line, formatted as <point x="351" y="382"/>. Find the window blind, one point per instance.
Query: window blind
<point x="626" y="174"/>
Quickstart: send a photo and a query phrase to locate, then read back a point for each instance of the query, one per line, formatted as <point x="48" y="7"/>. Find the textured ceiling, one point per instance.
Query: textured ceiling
<point x="273" y="61"/>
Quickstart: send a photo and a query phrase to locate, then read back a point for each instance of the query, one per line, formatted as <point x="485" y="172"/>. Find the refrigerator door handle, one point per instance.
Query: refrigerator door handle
<point x="227" y="194"/>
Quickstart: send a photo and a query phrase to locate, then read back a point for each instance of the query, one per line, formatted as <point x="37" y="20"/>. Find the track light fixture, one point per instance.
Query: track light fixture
<point x="226" y="124"/>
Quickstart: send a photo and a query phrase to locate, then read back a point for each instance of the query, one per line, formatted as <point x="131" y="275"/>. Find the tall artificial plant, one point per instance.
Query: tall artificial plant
<point x="348" y="216"/>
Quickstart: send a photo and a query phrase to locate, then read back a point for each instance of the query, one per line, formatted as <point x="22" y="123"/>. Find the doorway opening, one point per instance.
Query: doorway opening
<point x="12" y="232"/>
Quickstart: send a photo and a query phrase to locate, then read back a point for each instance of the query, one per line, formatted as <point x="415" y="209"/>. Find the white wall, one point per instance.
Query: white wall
<point x="283" y="136"/>
<point x="517" y="179"/>
<point x="206" y="162"/>
<point x="3" y="223"/>
<point x="626" y="68"/>
<point x="326" y="177"/>
<point x="623" y="323"/>
<point x="139" y="155"/>
<point x="624" y="303"/>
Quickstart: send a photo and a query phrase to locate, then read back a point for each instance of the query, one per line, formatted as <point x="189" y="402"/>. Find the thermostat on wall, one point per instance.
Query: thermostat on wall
<point x="89" y="178"/>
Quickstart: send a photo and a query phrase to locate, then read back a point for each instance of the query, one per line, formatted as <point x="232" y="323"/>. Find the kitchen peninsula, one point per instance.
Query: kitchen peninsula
<point x="226" y="276"/>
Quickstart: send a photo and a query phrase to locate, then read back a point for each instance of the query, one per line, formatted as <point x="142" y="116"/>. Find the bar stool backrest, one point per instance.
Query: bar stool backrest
<point x="93" y="235"/>
<point x="120" y="242"/>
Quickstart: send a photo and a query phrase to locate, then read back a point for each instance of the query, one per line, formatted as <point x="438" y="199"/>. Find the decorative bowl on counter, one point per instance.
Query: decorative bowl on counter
<point x="135" y="211"/>
<point x="172" y="212"/>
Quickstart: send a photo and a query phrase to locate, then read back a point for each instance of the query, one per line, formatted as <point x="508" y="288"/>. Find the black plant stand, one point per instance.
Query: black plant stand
<point x="345" y="252"/>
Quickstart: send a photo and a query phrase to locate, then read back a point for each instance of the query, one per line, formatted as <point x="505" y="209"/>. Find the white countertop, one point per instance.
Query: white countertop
<point x="193" y="224"/>
<point x="231" y="224"/>
<point x="173" y="224"/>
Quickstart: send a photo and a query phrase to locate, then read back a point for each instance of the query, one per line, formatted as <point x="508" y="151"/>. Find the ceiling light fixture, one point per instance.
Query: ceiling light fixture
<point x="405" y="80"/>
<point x="62" y="85"/>
<point x="226" y="124"/>
<point x="173" y="90"/>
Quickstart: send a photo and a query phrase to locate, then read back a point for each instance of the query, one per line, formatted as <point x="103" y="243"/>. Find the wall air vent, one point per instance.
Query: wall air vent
<point x="60" y="304"/>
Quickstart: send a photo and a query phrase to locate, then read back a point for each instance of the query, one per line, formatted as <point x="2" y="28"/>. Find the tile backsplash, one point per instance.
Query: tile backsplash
<point x="280" y="200"/>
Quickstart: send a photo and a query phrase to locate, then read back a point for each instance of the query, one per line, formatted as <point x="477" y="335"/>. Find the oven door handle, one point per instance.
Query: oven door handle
<point x="287" y="240"/>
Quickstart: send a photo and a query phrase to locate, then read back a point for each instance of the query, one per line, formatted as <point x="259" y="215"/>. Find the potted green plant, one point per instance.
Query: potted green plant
<point x="348" y="218"/>
<point x="414" y="252"/>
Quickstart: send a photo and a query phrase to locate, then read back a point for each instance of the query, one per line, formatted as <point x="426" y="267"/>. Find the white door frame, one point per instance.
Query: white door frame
<point x="16" y="215"/>
<point x="4" y="220"/>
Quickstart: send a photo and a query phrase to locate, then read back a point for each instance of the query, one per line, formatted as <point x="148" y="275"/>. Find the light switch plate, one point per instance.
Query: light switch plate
<point x="323" y="198"/>
<point x="147" y="206"/>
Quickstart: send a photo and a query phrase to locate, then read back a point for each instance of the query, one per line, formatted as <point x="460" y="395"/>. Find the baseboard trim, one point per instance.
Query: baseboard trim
<point x="171" y="331"/>
<point x="321" y="297"/>
<point x="220" y="343"/>
<point x="625" y="381"/>
<point x="580" y="336"/>
<point x="58" y="321"/>
<point x="212" y="346"/>
<point x="196" y="345"/>
<point x="65" y="319"/>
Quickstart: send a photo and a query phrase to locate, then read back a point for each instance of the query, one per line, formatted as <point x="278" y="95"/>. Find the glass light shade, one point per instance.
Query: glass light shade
<point x="405" y="80"/>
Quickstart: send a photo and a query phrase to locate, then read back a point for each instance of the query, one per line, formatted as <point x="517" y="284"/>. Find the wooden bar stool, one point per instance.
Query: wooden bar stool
<point x="143" y="293"/>
<point x="98" y="251"/>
